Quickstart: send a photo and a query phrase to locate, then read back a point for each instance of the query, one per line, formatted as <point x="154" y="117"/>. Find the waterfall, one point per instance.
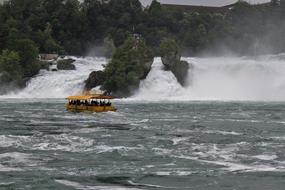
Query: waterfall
<point x="60" y="84"/>
<point x="220" y="78"/>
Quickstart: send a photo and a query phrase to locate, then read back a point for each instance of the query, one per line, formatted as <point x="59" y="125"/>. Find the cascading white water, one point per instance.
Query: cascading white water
<point x="223" y="78"/>
<point x="59" y="84"/>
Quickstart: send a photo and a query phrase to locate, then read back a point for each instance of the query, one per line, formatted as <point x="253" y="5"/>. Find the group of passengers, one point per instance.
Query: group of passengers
<point x="89" y="103"/>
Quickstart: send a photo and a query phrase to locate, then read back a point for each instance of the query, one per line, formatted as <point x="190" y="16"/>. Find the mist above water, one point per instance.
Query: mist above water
<point x="60" y="84"/>
<point x="221" y="78"/>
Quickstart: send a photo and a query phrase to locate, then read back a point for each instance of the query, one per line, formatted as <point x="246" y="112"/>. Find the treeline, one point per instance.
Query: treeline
<point x="28" y="27"/>
<point x="71" y="27"/>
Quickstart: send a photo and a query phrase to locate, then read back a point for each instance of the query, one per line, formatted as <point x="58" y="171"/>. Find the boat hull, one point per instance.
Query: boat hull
<point x="83" y="108"/>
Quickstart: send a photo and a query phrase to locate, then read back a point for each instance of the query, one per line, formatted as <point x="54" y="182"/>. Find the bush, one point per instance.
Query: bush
<point x="66" y="64"/>
<point x="130" y="63"/>
<point x="10" y="71"/>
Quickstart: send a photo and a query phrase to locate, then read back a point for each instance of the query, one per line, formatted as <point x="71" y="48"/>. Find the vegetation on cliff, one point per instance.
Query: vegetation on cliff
<point x="11" y="74"/>
<point x="130" y="63"/>
<point x="18" y="64"/>
<point x="66" y="64"/>
<point x="171" y="59"/>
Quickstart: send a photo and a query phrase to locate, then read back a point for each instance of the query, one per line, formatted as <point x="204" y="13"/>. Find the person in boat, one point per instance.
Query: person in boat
<point x="108" y="103"/>
<point x="99" y="103"/>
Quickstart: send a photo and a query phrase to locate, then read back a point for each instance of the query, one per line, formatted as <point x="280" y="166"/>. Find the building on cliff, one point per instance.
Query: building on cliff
<point x="203" y="5"/>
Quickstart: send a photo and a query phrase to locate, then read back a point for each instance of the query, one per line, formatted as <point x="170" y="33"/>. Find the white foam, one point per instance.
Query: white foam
<point x="238" y="167"/>
<point x="105" y="148"/>
<point x="79" y="186"/>
<point x="179" y="139"/>
<point x="9" y="169"/>
<point x="222" y="132"/>
<point x="13" y="159"/>
<point x="64" y="142"/>
<point x="6" y="184"/>
<point x="221" y="78"/>
<point x="266" y="157"/>
<point x="59" y="84"/>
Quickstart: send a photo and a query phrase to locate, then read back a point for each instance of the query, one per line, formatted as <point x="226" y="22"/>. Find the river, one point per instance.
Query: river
<point x="145" y="145"/>
<point x="225" y="130"/>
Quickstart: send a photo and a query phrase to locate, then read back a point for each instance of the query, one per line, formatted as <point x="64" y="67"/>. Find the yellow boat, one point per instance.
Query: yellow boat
<point x="90" y="103"/>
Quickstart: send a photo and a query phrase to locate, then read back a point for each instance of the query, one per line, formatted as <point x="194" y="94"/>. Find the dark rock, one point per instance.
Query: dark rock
<point x="96" y="78"/>
<point x="180" y="70"/>
<point x="171" y="59"/>
<point x="66" y="64"/>
<point x="44" y="65"/>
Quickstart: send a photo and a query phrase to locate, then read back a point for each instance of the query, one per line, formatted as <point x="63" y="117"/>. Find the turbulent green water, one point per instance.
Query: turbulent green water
<point x="186" y="145"/>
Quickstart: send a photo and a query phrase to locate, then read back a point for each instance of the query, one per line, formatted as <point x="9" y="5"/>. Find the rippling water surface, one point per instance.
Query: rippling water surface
<point x="178" y="145"/>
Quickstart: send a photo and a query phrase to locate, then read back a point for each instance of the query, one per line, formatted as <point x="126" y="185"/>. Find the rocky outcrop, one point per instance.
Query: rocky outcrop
<point x="171" y="59"/>
<point x="130" y="63"/>
<point x="96" y="78"/>
<point x="66" y="64"/>
<point x="180" y="71"/>
<point x="44" y="65"/>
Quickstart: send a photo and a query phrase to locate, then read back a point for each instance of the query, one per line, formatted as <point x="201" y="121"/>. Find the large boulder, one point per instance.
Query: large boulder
<point x="66" y="64"/>
<point x="96" y="78"/>
<point x="180" y="70"/>
<point x="171" y="59"/>
<point x="44" y="65"/>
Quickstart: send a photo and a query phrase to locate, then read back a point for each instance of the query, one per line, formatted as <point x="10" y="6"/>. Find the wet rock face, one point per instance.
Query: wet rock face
<point x="96" y="78"/>
<point x="66" y="64"/>
<point x="171" y="59"/>
<point x="180" y="70"/>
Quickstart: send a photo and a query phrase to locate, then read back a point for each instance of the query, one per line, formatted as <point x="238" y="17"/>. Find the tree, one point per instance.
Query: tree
<point x="28" y="53"/>
<point x="10" y="69"/>
<point x="130" y="63"/>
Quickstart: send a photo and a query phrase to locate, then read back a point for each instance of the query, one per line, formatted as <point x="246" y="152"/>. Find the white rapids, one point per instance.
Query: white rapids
<point x="220" y="78"/>
<point x="59" y="84"/>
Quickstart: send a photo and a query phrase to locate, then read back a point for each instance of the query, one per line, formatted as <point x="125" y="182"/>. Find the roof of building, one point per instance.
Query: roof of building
<point x="202" y="3"/>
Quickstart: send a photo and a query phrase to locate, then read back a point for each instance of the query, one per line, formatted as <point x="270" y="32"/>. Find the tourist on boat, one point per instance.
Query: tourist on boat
<point x="108" y="104"/>
<point x="92" y="103"/>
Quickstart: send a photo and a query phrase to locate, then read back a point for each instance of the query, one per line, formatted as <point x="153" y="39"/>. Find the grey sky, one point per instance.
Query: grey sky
<point x="202" y="2"/>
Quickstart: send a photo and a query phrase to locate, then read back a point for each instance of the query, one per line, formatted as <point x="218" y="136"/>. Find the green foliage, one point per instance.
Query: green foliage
<point x="168" y="46"/>
<point x="130" y="63"/>
<point x="27" y="50"/>
<point x="10" y="69"/>
<point x="28" y="53"/>
<point x="72" y="26"/>
<point x="66" y="64"/>
<point x="170" y="55"/>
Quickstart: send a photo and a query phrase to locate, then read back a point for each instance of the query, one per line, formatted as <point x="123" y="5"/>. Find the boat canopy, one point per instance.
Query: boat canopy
<point x="89" y="97"/>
